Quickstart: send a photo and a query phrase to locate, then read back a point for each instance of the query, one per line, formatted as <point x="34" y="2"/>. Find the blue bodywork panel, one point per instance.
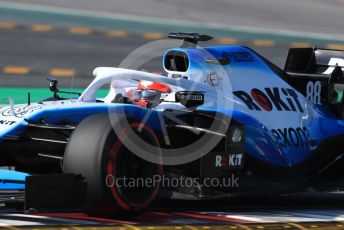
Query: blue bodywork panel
<point x="12" y="180"/>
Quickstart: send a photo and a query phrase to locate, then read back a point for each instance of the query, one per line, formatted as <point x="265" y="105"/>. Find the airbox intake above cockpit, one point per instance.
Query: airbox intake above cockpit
<point x="176" y="61"/>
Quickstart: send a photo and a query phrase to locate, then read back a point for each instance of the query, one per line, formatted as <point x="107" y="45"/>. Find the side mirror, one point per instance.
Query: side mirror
<point x="53" y="86"/>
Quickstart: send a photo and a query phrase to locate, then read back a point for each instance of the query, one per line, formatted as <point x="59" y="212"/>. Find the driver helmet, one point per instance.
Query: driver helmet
<point x="149" y="94"/>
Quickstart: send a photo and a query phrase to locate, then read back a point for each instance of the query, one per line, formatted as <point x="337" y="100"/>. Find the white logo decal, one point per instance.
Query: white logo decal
<point x="333" y="63"/>
<point x="314" y="92"/>
<point x="191" y="97"/>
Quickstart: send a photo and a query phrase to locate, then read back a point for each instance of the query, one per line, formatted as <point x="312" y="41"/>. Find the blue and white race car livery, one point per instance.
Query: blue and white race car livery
<point x="218" y="114"/>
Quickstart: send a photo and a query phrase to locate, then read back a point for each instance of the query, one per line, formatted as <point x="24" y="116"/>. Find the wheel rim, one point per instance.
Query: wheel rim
<point x="124" y="164"/>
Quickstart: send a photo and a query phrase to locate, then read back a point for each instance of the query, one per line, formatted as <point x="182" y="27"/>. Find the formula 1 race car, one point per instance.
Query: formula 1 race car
<point x="223" y="121"/>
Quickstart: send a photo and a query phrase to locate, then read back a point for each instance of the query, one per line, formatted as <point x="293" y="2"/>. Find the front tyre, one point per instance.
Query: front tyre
<point x="119" y="182"/>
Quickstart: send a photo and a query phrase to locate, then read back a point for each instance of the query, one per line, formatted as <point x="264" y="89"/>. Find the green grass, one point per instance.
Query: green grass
<point x="20" y="95"/>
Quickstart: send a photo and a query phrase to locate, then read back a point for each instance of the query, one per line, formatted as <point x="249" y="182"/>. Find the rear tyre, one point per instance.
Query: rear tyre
<point x="97" y="154"/>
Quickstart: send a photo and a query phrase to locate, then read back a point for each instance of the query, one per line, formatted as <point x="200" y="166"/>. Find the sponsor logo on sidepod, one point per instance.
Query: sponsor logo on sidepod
<point x="292" y="137"/>
<point x="281" y="99"/>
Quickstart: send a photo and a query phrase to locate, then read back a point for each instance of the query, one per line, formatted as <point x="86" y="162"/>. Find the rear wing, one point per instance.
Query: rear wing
<point x="315" y="72"/>
<point x="313" y="63"/>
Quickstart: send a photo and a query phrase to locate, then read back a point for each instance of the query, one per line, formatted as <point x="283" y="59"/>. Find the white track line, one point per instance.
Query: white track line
<point x="284" y="216"/>
<point x="24" y="219"/>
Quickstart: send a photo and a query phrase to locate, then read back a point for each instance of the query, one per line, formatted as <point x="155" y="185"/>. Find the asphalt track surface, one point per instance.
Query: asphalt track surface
<point x="43" y="51"/>
<point x="314" y="16"/>
<point x="301" y="211"/>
